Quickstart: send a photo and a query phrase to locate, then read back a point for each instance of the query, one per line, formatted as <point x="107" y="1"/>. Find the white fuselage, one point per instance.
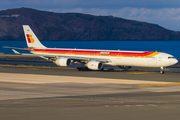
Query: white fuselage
<point x="159" y="60"/>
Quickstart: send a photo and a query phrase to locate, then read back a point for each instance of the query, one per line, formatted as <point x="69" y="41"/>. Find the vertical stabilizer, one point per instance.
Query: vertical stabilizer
<point x="31" y="39"/>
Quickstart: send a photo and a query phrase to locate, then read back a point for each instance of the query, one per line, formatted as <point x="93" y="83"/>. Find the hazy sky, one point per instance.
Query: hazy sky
<point x="166" y="13"/>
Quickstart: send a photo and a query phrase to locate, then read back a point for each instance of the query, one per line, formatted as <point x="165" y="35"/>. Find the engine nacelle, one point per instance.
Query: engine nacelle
<point x="63" y="62"/>
<point x="94" y="65"/>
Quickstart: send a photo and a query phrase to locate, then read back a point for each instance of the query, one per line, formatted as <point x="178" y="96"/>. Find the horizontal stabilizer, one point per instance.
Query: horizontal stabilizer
<point x="17" y="48"/>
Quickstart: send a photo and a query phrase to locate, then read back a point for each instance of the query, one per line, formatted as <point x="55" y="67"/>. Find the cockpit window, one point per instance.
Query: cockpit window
<point x="171" y="57"/>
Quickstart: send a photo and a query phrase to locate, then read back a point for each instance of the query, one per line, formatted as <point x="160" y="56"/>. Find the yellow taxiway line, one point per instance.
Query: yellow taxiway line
<point x="140" y="72"/>
<point x="148" y="85"/>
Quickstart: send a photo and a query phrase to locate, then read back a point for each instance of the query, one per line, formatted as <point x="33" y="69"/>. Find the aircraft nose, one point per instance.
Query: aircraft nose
<point x="173" y="61"/>
<point x="176" y="61"/>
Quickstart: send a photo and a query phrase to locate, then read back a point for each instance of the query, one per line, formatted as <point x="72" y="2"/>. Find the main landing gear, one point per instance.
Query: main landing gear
<point x="162" y="70"/>
<point x="82" y="68"/>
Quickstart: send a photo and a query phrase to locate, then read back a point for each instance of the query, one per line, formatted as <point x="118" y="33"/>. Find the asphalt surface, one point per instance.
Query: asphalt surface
<point x="136" y="106"/>
<point x="101" y="101"/>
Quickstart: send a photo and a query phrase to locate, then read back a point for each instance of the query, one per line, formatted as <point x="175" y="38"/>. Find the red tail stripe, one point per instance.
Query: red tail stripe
<point x="28" y="37"/>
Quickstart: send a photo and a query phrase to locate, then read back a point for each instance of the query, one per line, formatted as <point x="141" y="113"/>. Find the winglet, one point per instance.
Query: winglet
<point x="16" y="52"/>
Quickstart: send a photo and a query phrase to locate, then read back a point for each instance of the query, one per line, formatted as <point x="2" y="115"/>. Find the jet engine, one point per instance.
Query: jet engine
<point x="63" y="62"/>
<point x="94" y="65"/>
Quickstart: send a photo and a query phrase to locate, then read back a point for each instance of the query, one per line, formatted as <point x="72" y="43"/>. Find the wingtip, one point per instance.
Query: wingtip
<point x="16" y="52"/>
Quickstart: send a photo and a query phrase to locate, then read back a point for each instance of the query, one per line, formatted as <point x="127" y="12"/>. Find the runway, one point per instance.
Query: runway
<point x="31" y="92"/>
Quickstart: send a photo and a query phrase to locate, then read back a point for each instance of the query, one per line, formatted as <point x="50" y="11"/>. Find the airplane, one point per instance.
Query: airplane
<point x="95" y="59"/>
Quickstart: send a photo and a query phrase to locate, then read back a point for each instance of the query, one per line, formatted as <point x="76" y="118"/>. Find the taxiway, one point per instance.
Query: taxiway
<point x="43" y="92"/>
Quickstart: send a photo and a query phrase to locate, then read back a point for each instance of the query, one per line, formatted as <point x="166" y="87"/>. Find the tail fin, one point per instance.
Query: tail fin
<point x="31" y="39"/>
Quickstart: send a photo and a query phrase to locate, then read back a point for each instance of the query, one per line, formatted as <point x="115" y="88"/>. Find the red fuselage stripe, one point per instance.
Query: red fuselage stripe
<point x="88" y="52"/>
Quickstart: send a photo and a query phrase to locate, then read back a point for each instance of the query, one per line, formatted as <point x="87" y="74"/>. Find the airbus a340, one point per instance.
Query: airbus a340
<point x="95" y="59"/>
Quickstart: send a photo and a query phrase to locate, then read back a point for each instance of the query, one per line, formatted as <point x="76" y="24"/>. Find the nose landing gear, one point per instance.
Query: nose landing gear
<point x="162" y="70"/>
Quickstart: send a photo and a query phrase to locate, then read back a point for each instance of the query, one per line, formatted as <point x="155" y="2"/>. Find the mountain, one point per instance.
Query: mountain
<point x="76" y="26"/>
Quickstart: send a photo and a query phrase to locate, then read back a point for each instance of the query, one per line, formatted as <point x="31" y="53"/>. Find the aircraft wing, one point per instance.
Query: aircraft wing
<point x="78" y="59"/>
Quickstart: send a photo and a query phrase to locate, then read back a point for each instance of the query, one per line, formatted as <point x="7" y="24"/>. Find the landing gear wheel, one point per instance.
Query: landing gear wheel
<point x="79" y="69"/>
<point x="102" y="69"/>
<point x="82" y="68"/>
<point x="162" y="71"/>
